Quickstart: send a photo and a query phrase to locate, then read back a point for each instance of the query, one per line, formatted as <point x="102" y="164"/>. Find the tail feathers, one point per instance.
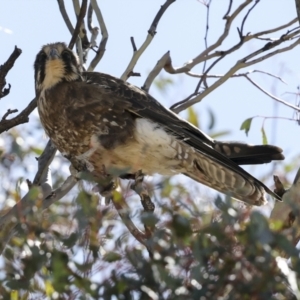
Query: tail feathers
<point x="245" y="154"/>
<point x="234" y="182"/>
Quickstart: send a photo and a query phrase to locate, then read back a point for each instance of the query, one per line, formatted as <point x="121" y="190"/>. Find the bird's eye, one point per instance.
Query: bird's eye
<point x="66" y="55"/>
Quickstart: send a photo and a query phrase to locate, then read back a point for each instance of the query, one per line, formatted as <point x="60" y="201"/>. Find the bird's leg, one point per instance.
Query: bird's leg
<point x="106" y="184"/>
<point x="81" y="168"/>
<point x="148" y="205"/>
<point x="84" y="159"/>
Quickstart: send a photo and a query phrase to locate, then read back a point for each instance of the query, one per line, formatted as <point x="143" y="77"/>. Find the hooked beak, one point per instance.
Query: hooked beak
<point x="53" y="54"/>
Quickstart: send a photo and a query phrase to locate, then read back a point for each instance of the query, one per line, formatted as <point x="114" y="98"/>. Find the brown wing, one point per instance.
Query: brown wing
<point x="146" y="106"/>
<point x="137" y="102"/>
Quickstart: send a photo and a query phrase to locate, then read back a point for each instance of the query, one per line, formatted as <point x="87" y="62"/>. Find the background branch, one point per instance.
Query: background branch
<point x="149" y="38"/>
<point x="242" y="63"/>
<point x="22" y="117"/>
<point x="156" y="70"/>
<point x="80" y="18"/>
<point x="5" y="68"/>
<point x="65" y="16"/>
<point x="104" y="33"/>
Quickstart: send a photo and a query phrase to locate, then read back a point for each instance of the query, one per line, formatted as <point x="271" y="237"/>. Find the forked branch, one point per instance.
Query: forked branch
<point x="151" y="32"/>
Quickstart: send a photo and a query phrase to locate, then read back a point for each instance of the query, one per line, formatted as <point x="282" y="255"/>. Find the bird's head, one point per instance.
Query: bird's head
<point x="53" y="64"/>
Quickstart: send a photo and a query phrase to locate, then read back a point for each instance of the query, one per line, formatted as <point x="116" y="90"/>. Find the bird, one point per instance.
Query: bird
<point x="109" y="126"/>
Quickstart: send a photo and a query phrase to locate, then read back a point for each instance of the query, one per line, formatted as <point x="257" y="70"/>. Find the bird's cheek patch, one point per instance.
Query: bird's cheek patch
<point x="54" y="73"/>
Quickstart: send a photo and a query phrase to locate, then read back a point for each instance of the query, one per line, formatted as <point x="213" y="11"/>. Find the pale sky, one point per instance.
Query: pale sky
<point x="32" y="23"/>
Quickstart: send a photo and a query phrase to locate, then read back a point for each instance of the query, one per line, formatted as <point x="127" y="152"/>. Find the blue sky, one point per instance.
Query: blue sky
<point x="32" y="23"/>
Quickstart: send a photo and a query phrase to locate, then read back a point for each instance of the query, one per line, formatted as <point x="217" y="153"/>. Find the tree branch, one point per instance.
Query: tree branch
<point x="5" y="68"/>
<point x="242" y="63"/>
<point x="205" y="56"/>
<point x="104" y="32"/>
<point x="288" y="210"/>
<point x="93" y="30"/>
<point x="21" y="118"/>
<point x="298" y="10"/>
<point x="78" y="24"/>
<point x="162" y="63"/>
<point x="40" y="194"/>
<point x="151" y="32"/>
<point x="123" y="210"/>
<point x="65" y="16"/>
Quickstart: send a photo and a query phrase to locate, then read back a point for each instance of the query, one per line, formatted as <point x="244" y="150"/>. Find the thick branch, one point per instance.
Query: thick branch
<point x="149" y="38"/>
<point x="5" y="68"/>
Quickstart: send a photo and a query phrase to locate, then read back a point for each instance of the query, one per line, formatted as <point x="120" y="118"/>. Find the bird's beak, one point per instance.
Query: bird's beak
<point x="53" y="54"/>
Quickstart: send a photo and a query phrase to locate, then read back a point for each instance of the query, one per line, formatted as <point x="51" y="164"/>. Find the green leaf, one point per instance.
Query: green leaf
<point x="264" y="136"/>
<point x="112" y="256"/>
<point x="246" y="125"/>
<point x="192" y="117"/>
<point x="37" y="151"/>
<point x="219" y="134"/>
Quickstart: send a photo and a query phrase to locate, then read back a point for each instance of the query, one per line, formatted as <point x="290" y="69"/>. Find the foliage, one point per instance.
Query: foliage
<point x="199" y="246"/>
<point x="79" y="249"/>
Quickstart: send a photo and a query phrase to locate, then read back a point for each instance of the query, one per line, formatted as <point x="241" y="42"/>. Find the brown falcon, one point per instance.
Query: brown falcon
<point x="108" y="124"/>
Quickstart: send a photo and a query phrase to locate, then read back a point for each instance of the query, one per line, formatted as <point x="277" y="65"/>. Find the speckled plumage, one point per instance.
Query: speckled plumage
<point x="103" y="122"/>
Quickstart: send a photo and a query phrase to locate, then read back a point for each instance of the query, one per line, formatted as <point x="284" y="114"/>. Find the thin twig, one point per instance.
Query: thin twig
<point x="90" y="18"/>
<point x="104" y="32"/>
<point x="5" y="68"/>
<point x="123" y="210"/>
<point x="236" y="75"/>
<point x="203" y="56"/>
<point x="244" y="62"/>
<point x="78" y="24"/>
<point x="158" y="16"/>
<point x="133" y="44"/>
<point x="65" y="16"/>
<point x="149" y="38"/>
<point x="22" y="117"/>
<point x="94" y="30"/>
<point x="206" y="55"/>
<point x="272" y="96"/>
<point x="205" y="37"/>
<point x="9" y="112"/>
<point x="246" y="17"/>
<point x="228" y="10"/>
